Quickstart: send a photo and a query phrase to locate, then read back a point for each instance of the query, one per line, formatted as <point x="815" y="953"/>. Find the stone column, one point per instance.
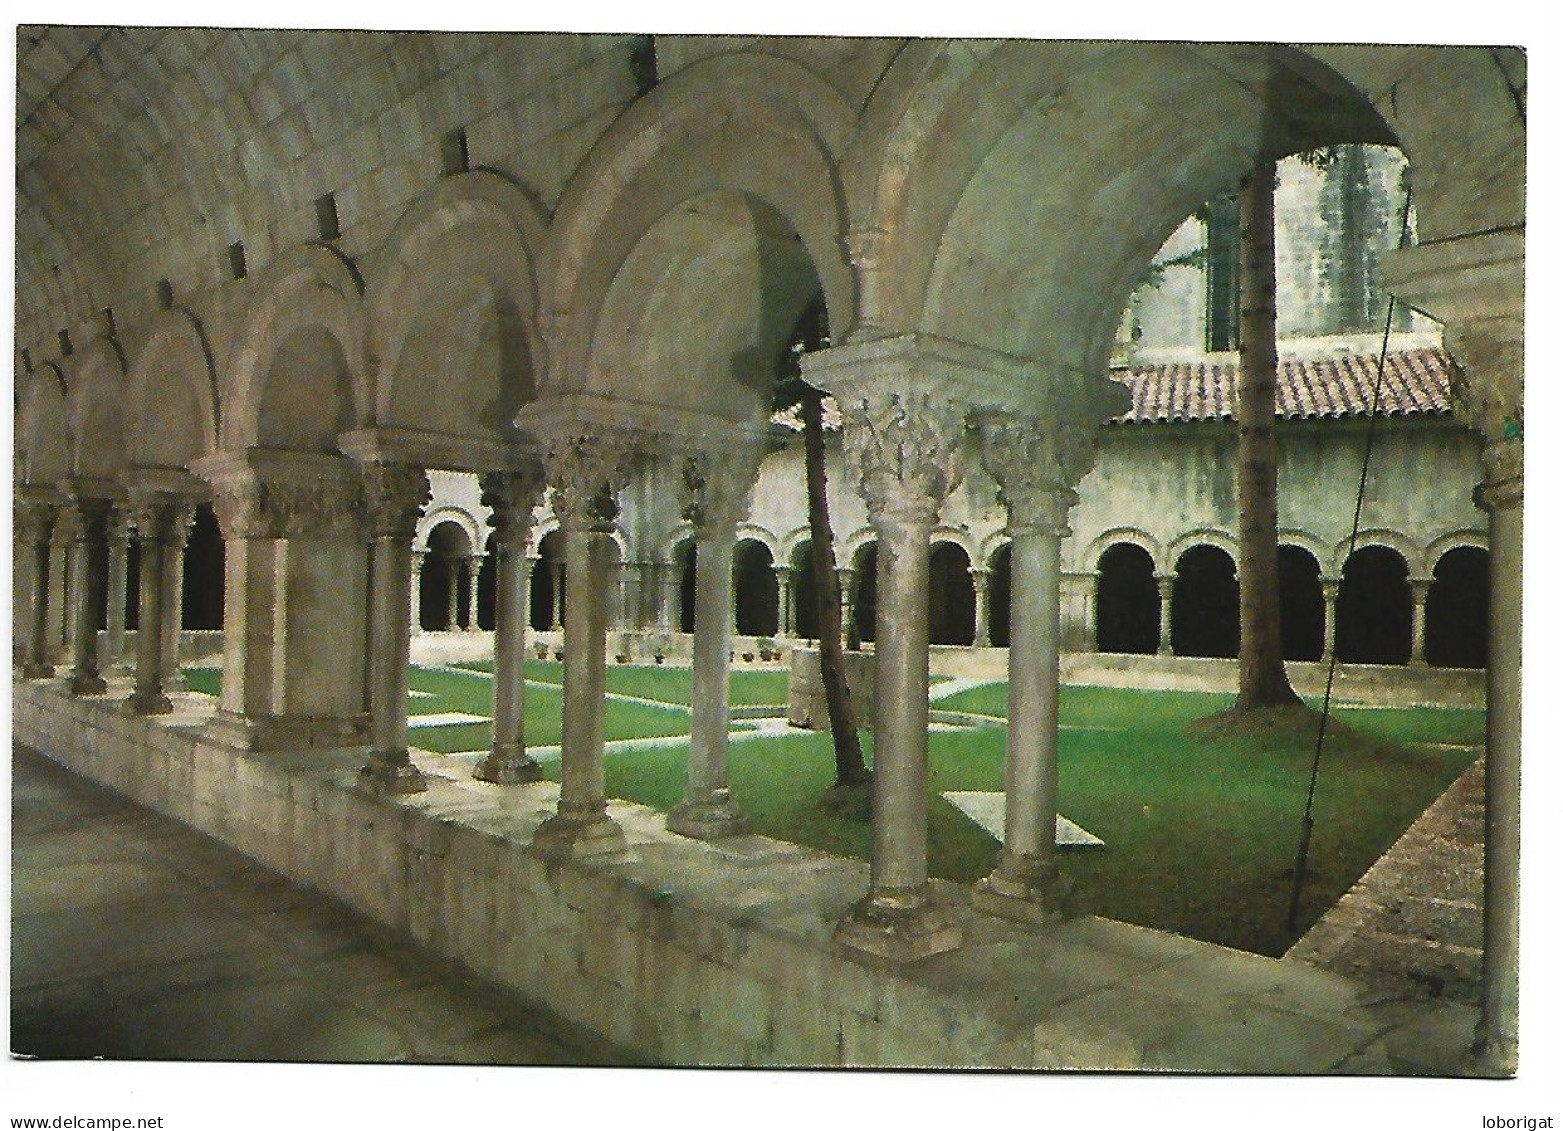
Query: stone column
<point x="183" y="519"/>
<point x="395" y="495"/>
<point x="981" y="636"/>
<point x="1330" y="586"/>
<point x="1078" y="630"/>
<point x="474" y="567"/>
<point x="155" y="537"/>
<point x="625" y="617"/>
<point x="415" y="592"/>
<point x="716" y="496"/>
<point x="511" y="497"/>
<point x="35" y="522"/>
<point x="89" y="550"/>
<point x="901" y="448"/>
<point x="453" y="595"/>
<point x="295" y="600"/>
<point x="789" y="615"/>
<point x="1036" y="464"/>
<point x="557" y="569"/>
<point x="1164" y="584"/>
<point x="58" y="605"/>
<point x="669" y="587"/>
<point x="1419" y="588"/>
<point x="585" y="474"/>
<point x="117" y="535"/>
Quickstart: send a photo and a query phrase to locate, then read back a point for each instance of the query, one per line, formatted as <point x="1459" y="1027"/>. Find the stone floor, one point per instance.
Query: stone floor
<point x="1415" y="918"/>
<point x="134" y="937"/>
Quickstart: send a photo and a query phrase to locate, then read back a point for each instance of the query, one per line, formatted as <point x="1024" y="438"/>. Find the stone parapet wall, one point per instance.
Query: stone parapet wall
<point x="691" y="952"/>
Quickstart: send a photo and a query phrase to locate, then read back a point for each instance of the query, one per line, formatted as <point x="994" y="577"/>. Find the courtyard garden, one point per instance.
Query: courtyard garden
<point x="1201" y="834"/>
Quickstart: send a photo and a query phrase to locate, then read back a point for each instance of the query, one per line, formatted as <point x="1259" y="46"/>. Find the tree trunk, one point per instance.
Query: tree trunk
<point x="850" y="769"/>
<point x="1262" y="680"/>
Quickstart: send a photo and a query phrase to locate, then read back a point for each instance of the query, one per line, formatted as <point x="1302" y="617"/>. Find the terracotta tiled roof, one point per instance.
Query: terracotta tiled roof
<point x="1415" y="382"/>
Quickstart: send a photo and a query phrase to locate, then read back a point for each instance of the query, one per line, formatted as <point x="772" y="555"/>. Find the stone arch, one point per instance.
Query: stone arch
<point x="975" y="174"/>
<point x="295" y="366"/>
<point x="756" y="598"/>
<point x="1321" y="550"/>
<point x="1438" y="547"/>
<point x="791" y="542"/>
<point x="990" y="546"/>
<point x="1128" y="601"/>
<point x="95" y="400"/>
<point x="1302" y="600"/>
<point x="172" y="396"/>
<point x="749" y="531"/>
<point x="1389" y="539"/>
<point x="1204" y="535"/>
<point x="851" y="546"/>
<point x="1205" y="601"/>
<point x="470" y="526"/>
<point x="959" y="537"/>
<point x="452" y="334"/>
<point x="714" y="202"/>
<point x="1092" y="554"/>
<point x="1456" y="611"/>
<point x="43" y="428"/>
<point x="952" y="596"/>
<point x="1373" y="618"/>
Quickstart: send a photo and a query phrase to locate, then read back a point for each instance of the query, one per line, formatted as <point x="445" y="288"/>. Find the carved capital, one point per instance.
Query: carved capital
<point x="902" y="449"/>
<point x="261" y="502"/>
<point x="1036" y="465"/>
<point x="586" y="472"/>
<point x="34" y="521"/>
<point x="1487" y="391"/>
<point x="90" y="517"/>
<point x="511" y="496"/>
<point x="394" y="496"/>
<point x="716" y="484"/>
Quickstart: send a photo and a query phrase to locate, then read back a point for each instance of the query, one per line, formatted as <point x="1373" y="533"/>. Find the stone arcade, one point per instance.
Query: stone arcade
<point x="355" y="260"/>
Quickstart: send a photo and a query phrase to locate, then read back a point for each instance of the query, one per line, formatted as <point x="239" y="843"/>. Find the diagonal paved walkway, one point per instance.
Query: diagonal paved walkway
<point x="135" y="938"/>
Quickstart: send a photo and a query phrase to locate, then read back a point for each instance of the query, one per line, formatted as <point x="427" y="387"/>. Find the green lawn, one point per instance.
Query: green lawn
<point x="1201" y="834"/>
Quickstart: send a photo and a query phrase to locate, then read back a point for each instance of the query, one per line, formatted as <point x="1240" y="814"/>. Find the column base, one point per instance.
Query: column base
<point x="579" y="832"/>
<point x="37" y="671"/>
<point x="899" y="927"/>
<point x="508" y="765"/>
<point x="287" y="732"/>
<point x="175" y="680"/>
<point x="708" y="818"/>
<point x="1496" y="1057"/>
<point x="391" y="773"/>
<point x="1025" y="891"/>
<point x="88" y="685"/>
<point x="141" y="703"/>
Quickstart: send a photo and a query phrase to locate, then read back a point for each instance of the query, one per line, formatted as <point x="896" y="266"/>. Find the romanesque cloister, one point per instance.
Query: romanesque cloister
<point x="568" y="266"/>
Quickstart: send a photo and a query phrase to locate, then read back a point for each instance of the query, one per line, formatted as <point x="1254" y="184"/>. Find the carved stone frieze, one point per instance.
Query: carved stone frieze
<point x="511" y="496"/>
<point x="902" y="449"/>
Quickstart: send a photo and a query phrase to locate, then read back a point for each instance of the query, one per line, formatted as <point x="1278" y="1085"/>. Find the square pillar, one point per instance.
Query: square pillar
<point x="296" y="599"/>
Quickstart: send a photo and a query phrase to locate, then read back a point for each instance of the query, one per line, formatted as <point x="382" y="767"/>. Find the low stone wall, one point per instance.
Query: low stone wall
<point x="688" y="952"/>
<point x="1371" y="684"/>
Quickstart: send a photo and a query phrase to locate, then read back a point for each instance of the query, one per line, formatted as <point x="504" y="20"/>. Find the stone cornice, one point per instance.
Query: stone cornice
<point x="174" y="482"/>
<point x="1463" y="279"/>
<point x="422" y="447"/>
<point x="650" y="428"/>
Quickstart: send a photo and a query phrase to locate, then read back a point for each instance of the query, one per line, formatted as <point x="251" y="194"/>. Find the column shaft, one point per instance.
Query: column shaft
<point x="38" y="666"/>
<point x="390" y="767"/>
<point x="1164" y="583"/>
<point x="474" y="570"/>
<point x="88" y="551"/>
<point x="173" y="581"/>
<point x="453" y="595"/>
<point x="114" y="622"/>
<point x="152" y="537"/>
<point x="981" y="637"/>
<point x="707" y="810"/>
<point x="1419" y="590"/>
<point x="557" y="573"/>
<point x="507" y="761"/>
<point x="415" y="592"/>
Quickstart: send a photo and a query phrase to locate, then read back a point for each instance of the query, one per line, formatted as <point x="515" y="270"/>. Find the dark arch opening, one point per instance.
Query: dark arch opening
<point x="486" y="594"/>
<point x="865" y="606"/>
<point x="132" y="609"/>
<point x="550" y="551"/>
<point x="684" y="559"/>
<point x="952" y="597"/>
<point x="448" y="548"/>
<point x="1373" y="611"/>
<point x="1457" y="601"/>
<point x="1128" y="604"/>
<point x="805" y="594"/>
<point x="998" y="597"/>
<point x="755" y="597"/>
<point x="1204" y="604"/>
<point x="1302" y="605"/>
<point x="202" y="603"/>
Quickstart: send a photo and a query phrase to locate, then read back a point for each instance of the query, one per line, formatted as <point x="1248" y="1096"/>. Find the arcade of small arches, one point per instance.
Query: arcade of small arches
<point x="974" y="268"/>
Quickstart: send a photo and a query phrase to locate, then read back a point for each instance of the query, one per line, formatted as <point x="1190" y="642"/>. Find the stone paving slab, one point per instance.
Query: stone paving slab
<point x="130" y="945"/>
<point x="987" y="809"/>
